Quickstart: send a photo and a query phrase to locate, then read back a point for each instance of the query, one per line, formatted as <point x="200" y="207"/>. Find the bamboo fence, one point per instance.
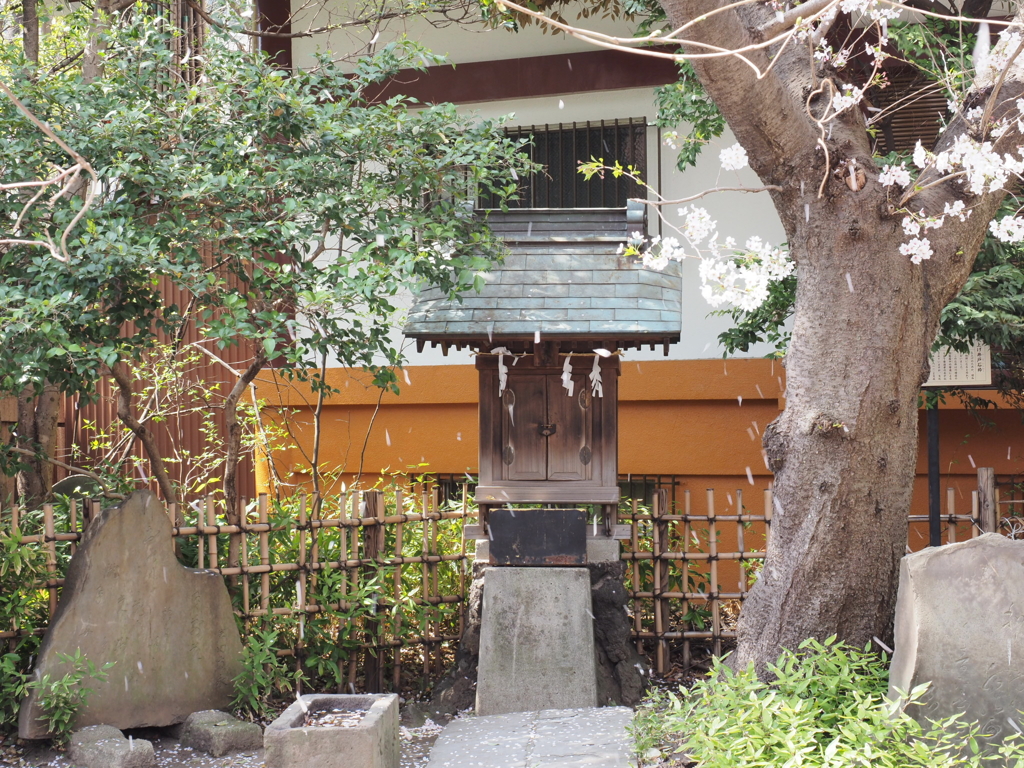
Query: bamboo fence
<point x="690" y="562"/>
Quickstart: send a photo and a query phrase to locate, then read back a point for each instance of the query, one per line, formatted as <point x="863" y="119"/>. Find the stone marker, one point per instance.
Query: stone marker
<point x="103" y="746"/>
<point x="960" y="625"/>
<point x="218" y="733"/>
<point x="372" y="743"/>
<point x="168" y="629"/>
<point x="536" y="641"/>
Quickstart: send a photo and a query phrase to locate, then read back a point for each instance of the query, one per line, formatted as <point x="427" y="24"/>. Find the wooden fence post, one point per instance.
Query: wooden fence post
<point x="988" y="512"/>
<point x="373" y="542"/>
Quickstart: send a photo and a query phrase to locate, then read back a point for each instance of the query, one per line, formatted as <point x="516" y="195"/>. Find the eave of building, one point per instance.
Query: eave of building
<point x="498" y="80"/>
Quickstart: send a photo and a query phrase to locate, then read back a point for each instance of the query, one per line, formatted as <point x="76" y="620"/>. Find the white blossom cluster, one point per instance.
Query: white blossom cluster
<point x="742" y="278"/>
<point x="981" y="168"/>
<point x="990" y="64"/>
<point x="850" y="97"/>
<point x="733" y="158"/>
<point x="1009" y="229"/>
<point x="729" y="275"/>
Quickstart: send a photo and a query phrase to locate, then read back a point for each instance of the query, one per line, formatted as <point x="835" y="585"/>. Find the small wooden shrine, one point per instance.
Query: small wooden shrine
<point x="548" y="328"/>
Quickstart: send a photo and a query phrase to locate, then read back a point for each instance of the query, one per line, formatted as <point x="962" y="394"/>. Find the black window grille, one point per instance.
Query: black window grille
<point x="561" y="148"/>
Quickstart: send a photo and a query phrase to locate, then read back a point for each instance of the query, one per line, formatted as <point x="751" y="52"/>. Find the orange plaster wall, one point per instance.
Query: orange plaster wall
<point x="676" y="417"/>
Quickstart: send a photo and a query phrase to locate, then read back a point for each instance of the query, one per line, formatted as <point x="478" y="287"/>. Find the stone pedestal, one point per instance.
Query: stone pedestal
<point x="536" y="641"/>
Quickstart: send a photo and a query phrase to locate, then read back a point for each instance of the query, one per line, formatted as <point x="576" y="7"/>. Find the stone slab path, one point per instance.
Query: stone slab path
<point x="566" y="738"/>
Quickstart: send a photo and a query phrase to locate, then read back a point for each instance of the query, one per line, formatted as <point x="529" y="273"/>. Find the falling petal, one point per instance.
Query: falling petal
<point x="849" y="282"/>
<point x="561" y="104"/>
<point x="750" y="476"/>
<point x="405" y="373"/>
<point x="740" y="399"/>
<point x="387" y="437"/>
<point x="971" y="459"/>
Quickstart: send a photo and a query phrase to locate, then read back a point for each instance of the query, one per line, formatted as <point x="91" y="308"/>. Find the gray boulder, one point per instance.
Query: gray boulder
<point x="960" y="626"/>
<point x="168" y="630"/>
<point x="103" y="746"/>
<point x="218" y="733"/>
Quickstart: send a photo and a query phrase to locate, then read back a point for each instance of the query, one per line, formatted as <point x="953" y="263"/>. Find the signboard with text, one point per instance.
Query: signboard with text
<point x="961" y="369"/>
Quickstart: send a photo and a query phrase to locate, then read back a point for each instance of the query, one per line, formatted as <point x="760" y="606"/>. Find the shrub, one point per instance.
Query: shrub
<point x="827" y="707"/>
<point x="61" y="697"/>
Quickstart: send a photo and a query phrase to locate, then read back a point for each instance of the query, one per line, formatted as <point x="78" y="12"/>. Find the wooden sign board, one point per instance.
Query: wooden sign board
<point x="950" y="368"/>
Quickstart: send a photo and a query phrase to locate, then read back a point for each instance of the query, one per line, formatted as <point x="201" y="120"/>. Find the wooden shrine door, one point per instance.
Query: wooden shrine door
<point x="538" y="443"/>
<point x="546" y="434"/>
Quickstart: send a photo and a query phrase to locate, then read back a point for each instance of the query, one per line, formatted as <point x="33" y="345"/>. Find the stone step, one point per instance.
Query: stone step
<point x="554" y="738"/>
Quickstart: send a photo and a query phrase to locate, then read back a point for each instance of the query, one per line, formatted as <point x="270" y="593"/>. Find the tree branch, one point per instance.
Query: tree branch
<point x="79" y="160"/>
<point x="124" y="412"/>
<point x="107" y="493"/>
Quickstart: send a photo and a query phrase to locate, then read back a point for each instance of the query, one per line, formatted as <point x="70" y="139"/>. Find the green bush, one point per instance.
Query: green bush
<point x="827" y="707"/>
<point x="60" y="698"/>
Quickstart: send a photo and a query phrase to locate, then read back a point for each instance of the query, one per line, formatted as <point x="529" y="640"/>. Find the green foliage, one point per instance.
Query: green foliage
<point x="826" y="707"/>
<point x="254" y="193"/>
<point x="264" y="674"/>
<point x="686" y="102"/>
<point x="766" y="323"/>
<point x="60" y="698"/>
<point x="23" y="605"/>
<point x="378" y="606"/>
<point x="939" y="49"/>
<point x="15" y="675"/>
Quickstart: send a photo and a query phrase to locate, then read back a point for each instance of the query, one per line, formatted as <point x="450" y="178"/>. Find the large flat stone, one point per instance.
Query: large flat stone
<point x="372" y="743"/>
<point x="578" y="738"/>
<point x="168" y="629"/>
<point x="960" y="626"/>
<point x="536" y="641"/>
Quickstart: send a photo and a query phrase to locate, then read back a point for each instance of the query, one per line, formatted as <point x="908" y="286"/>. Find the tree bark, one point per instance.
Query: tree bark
<point x="125" y="391"/>
<point x="30" y="29"/>
<point x="37" y="432"/>
<point x="844" y="450"/>
<point x="234" y="437"/>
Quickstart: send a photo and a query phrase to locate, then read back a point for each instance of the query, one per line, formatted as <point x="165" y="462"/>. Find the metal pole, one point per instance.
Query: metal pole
<point x="934" y="498"/>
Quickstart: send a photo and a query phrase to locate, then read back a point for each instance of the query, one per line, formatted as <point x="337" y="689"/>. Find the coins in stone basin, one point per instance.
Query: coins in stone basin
<point x="334" y="718"/>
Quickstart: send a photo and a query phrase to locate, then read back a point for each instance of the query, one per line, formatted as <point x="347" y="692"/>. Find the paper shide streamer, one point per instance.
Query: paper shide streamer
<point x="567" y="381"/>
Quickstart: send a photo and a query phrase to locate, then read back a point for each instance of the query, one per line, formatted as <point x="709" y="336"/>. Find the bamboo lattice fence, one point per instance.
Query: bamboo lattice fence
<point x="396" y="566"/>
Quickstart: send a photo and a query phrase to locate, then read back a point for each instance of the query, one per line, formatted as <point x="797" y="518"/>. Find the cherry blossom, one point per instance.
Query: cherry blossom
<point x="918" y="249"/>
<point x="733" y="158"/>
<point x="894" y="174"/>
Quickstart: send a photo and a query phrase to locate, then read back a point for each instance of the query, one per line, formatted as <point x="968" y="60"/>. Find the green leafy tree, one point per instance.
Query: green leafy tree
<point x="290" y="209"/>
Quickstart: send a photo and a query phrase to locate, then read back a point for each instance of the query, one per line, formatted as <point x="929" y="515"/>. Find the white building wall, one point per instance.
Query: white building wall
<point x="739" y="215"/>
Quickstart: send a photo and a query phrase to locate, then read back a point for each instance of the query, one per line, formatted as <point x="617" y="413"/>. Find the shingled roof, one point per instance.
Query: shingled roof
<point x="565" y="279"/>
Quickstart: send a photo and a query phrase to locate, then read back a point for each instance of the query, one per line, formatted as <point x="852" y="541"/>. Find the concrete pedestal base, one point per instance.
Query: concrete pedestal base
<point x="536" y="641"/>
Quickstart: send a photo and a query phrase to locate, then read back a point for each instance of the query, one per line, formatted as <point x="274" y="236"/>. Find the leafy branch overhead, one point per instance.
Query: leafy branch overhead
<point x="289" y="210"/>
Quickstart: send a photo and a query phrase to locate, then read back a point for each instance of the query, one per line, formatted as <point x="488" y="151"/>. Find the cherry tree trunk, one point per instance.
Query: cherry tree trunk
<point x="844" y="450"/>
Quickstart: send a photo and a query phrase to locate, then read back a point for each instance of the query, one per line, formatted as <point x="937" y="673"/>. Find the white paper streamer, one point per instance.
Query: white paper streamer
<point x="567" y="381"/>
<point x="596" y="386"/>
<point x="502" y="368"/>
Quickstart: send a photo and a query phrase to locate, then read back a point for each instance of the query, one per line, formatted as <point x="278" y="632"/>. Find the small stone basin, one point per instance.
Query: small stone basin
<point x="372" y="742"/>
